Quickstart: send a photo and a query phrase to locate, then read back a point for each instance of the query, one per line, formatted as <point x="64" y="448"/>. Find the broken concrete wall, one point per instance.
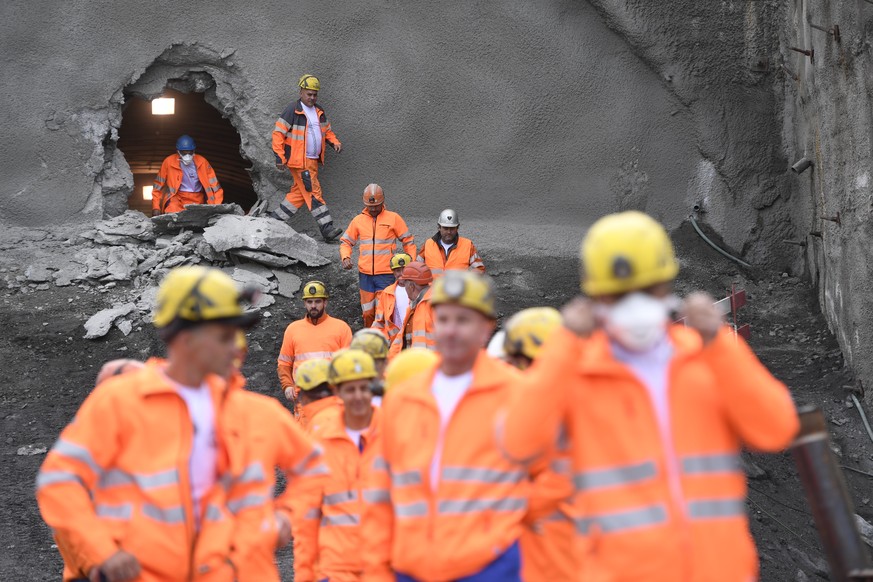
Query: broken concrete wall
<point x="524" y="112"/>
<point x="829" y="120"/>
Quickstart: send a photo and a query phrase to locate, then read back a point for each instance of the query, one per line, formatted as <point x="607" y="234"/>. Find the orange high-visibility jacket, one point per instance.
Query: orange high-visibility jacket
<point x="417" y="329"/>
<point x="646" y="510"/>
<point x="118" y="478"/>
<point x="311" y="414"/>
<point x="305" y="340"/>
<point x="169" y="179"/>
<point x="384" y="322"/>
<point x="452" y="529"/>
<point x="328" y="513"/>
<point x="378" y="237"/>
<point x="289" y="135"/>
<point x="276" y="439"/>
<point x="461" y="256"/>
<point x="547" y="552"/>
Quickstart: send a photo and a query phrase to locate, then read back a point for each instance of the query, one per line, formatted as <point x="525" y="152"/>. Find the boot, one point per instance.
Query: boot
<point x="321" y="214"/>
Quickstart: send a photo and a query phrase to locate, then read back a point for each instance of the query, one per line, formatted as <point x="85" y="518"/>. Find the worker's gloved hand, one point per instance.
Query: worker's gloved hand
<point x="284" y="526"/>
<point x="347" y="263"/>
<point x="280" y="166"/>
<point x="291" y="395"/>
<point x="337" y="147"/>
<point x="579" y="317"/>
<point x="120" y="567"/>
<point x="156" y="212"/>
<point x="701" y="315"/>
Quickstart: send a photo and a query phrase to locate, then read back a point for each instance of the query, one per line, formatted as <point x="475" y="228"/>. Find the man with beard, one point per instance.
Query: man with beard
<point x="315" y="337"/>
<point x="447" y="251"/>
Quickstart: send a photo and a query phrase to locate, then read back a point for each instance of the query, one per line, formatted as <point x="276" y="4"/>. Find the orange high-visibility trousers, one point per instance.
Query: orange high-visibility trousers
<point x="178" y="202"/>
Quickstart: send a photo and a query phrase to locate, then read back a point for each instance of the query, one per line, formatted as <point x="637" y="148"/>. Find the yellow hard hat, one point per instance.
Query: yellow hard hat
<point x="311" y="374"/>
<point x="315" y="290"/>
<point x="466" y="288"/>
<point x="309" y="82"/>
<point x="371" y="341"/>
<point x="351" y="364"/>
<point x="400" y="260"/>
<point x="626" y="252"/>
<point x="407" y="364"/>
<point x="191" y="295"/>
<point x="528" y="330"/>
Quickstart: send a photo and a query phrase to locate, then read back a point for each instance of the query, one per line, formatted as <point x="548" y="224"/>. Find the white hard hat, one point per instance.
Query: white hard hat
<point x="448" y="217"/>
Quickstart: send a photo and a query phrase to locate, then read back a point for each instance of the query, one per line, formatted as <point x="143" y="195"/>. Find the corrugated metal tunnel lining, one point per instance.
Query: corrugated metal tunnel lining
<point x="146" y="139"/>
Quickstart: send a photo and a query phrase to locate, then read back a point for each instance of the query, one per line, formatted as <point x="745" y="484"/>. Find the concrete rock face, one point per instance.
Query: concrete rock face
<point x="263" y="234"/>
<point x="829" y="120"/>
<point x="520" y="110"/>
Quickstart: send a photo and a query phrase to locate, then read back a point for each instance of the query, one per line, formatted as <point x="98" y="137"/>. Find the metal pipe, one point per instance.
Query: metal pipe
<point x="829" y="499"/>
<point x="715" y="246"/>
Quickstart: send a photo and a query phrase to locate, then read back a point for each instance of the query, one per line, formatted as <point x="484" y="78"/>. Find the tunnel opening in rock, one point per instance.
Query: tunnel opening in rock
<point x="148" y="135"/>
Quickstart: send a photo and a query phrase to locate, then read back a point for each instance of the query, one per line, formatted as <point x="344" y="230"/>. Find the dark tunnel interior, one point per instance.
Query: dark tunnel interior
<point x="146" y="139"/>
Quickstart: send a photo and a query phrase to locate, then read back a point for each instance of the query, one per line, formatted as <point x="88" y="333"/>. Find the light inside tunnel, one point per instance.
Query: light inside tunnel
<point x="163" y="106"/>
<point x="146" y="140"/>
<point x="147" y="192"/>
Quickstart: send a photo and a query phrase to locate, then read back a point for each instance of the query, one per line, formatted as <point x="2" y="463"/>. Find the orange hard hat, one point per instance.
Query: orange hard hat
<point x="373" y="195"/>
<point x="418" y="273"/>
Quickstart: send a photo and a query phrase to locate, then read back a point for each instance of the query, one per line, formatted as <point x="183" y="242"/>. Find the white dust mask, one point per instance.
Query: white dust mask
<point x="187" y="159"/>
<point x="638" y="321"/>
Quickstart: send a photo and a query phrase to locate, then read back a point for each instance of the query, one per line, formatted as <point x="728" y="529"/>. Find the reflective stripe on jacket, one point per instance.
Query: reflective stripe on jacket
<point x="289" y="135"/>
<point x="275" y="439"/>
<point x="118" y="477"/>
<point x="304" y="340"/>
<point x="170" y="177"/>
<point x="378" y="238"/>
<point x="462" y="256"/>
<point x="646" y="511"/>
<point x="453" y="528"/>
<point x="417" y="329"/>
<point x="384" y="322"/>
<point x="328" y="512"/>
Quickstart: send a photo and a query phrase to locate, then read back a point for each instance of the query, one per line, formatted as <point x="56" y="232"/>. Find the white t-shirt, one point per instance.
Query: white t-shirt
<point x="448" y="391"/>
<point x="204" y="453"/>
<point x="401" y="305"/>
<point x="313" y="133"/>
<point x="446" y="247"/>
<point x="355" y="435"/>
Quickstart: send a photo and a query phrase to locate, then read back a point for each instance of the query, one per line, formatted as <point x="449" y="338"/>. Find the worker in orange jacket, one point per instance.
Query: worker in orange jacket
<point x="417" y="328"/>
<point x="185" y="178"/>
<point x="278" y="443"/>
<point x="393" y="303"/>
<point x="376" y="345"/>
<point x="328" y="511"/>
<point x="444" y="503"/>
<point x="656" y="416"/>
<point x="120" y="499"/>
<point x="317" y="398"/>
<point x="299" y="141"/>
<point x="315" y="337"/>
<point x="447" y="250"/>
<point x="547" y="538"/>
<point x="377" y="229"/>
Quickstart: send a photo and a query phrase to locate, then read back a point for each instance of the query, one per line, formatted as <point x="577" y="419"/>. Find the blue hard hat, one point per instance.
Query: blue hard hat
<point x="186" y="142"/>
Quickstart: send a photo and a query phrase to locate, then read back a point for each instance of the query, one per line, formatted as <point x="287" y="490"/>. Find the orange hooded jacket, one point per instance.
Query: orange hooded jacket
<point x="454" y="528"/>
<point x="646" y="510"/>
<point x="327" y="526"/>
<point x="118" y="478"/>
<point x="169" y="179"/>
<point x="462" y="256"/>
<point x="378" y="237"/>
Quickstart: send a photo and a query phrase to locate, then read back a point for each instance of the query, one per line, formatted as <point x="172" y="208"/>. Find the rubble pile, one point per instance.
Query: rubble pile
<point x="140" y="250"/>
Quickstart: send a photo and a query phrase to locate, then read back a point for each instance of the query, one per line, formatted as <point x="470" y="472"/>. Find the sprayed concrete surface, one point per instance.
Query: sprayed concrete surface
<point x="830" y="121"/>
<point x="521" y="112"/>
